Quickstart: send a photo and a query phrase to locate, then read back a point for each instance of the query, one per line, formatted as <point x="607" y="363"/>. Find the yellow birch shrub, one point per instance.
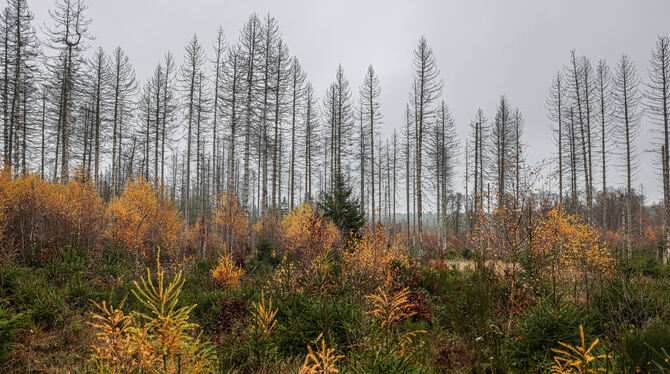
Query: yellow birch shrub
<point x="33" y="213"/>
<point x="85" y="212"/>
<point x="286" y="278"/>
<point x="306" y="234"/>
<point x="39" y="217"/>
<point x="309" y="241"/>
<point x="572" y="244"/>
<point x="370" y="256"/>
<point x="141" y="220"/>
<point x="231" y="222"/>
<point x="202" y="239"/>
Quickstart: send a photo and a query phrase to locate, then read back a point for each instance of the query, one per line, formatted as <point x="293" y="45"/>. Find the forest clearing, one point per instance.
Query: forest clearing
<point x="214" y="208"/>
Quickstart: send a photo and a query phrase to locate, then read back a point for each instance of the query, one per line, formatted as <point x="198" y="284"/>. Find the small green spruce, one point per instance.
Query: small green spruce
<point x="9" y="324"/>
<point x="341" y="207"/>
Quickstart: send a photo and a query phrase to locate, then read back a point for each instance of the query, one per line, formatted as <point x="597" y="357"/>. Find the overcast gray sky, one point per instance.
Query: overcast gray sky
<point x="483" y="48"/>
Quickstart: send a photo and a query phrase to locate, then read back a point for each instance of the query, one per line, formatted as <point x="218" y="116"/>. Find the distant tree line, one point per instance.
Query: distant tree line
<point x="241" y="116"/>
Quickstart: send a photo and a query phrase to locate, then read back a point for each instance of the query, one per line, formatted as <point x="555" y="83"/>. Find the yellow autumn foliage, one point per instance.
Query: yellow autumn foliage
<point x="580" y="359"/>
<point x="226" y="273"/>
<point x="387" y="308"/>
<point x="231" y="222"/>
<point x="39" y="217"/>
<point x="323" y="360"/>
<point x="263" y="316"/>
<point x="571" y="243"/>
<point x="160" y="341"/>
<point x="142" y="221"/>
<point x="370" y="257"/>
<point x="306" y="234"/>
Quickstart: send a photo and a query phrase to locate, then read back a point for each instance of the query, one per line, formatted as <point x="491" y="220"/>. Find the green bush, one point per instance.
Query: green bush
<point x="644" y="264"/>
<point x="66" y="264"/>
<point x="264" y="251"/>
<point x="381" y="361"/>
<point x="540" y="329"/>
<point x="450" y="254"/>
<point x="207" y="304"/>
<point x="466" y="303"/>
<point x="30" y="292"/>
<point x="9" y="323"/>
<point x="49" y="309"/>
<point x="302" y="317"/>
<point x="642" y="347"/>
<point x="11" y="276"/>
<point x="115" y="263"/>
<point x="78" y="292"/>
<point x="467" y="253"/>
<point x="622" y="301"/>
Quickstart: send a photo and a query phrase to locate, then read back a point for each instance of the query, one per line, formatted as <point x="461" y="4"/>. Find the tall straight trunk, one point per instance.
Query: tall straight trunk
<point x="664" y="163"/>
<point x="216" y="187"/>
<point x="199" y="163"/>
<point x="587" y="104"/>
<point x="233" y="127"/>
<point x="148" y="130"/>
<point x="388" y="184"/>
<point x="259" y="173"/>
<point x="58" y="131"/>
<point x="573" y="161"/>
<point x="560" y="143"/>
<point x="249" y="108"/>
<point x="264" y="123"/>
<point x="120" y="177"/>
<point x="586" y="169"/>
<point x="407" y="170"/>
<point x="372" y="153"/>
<point x="395" y="160"/>
<point x="279" y="173"/>
<point x="294" y="102"/>
<point x="157" y="126"/>
<point x="629" y="188"/>
<point x="517" y="161"/>
<point x="583" y="135"/>
<point x="15" y="121"/>
<point x="308" y="145"/>
<point x="438" y="184"/>
<point x="43" y="130"/>
<point x="187" y="183"/>
<point x="481" y="167"/>
<point x="87" y="129"/>
<point x="338" y="129"/>
<point x="98" y="100"/>
<point x="362" y="163"/>
<point x="116" y="127"/>
<point x="24" y="128"/>
<point x="477" y="166"/>
<point x="5" y="97"/>
<point x="467" y="213"/>
<point x="379" y="180"/>
<point x="660" y="62"/>
<point x="603" y="154"/>
<point x="65" y="167"/>
<point x="166" y="82"/>
<point x="89" y="159"/>
<point x="275" y="149"/>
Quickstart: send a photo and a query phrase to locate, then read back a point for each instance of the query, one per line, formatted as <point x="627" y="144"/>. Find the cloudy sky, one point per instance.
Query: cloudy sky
<point x="483" y="48"/>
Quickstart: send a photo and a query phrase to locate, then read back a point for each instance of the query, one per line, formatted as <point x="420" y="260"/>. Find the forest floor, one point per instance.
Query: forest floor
<point x="468" y="322"/>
